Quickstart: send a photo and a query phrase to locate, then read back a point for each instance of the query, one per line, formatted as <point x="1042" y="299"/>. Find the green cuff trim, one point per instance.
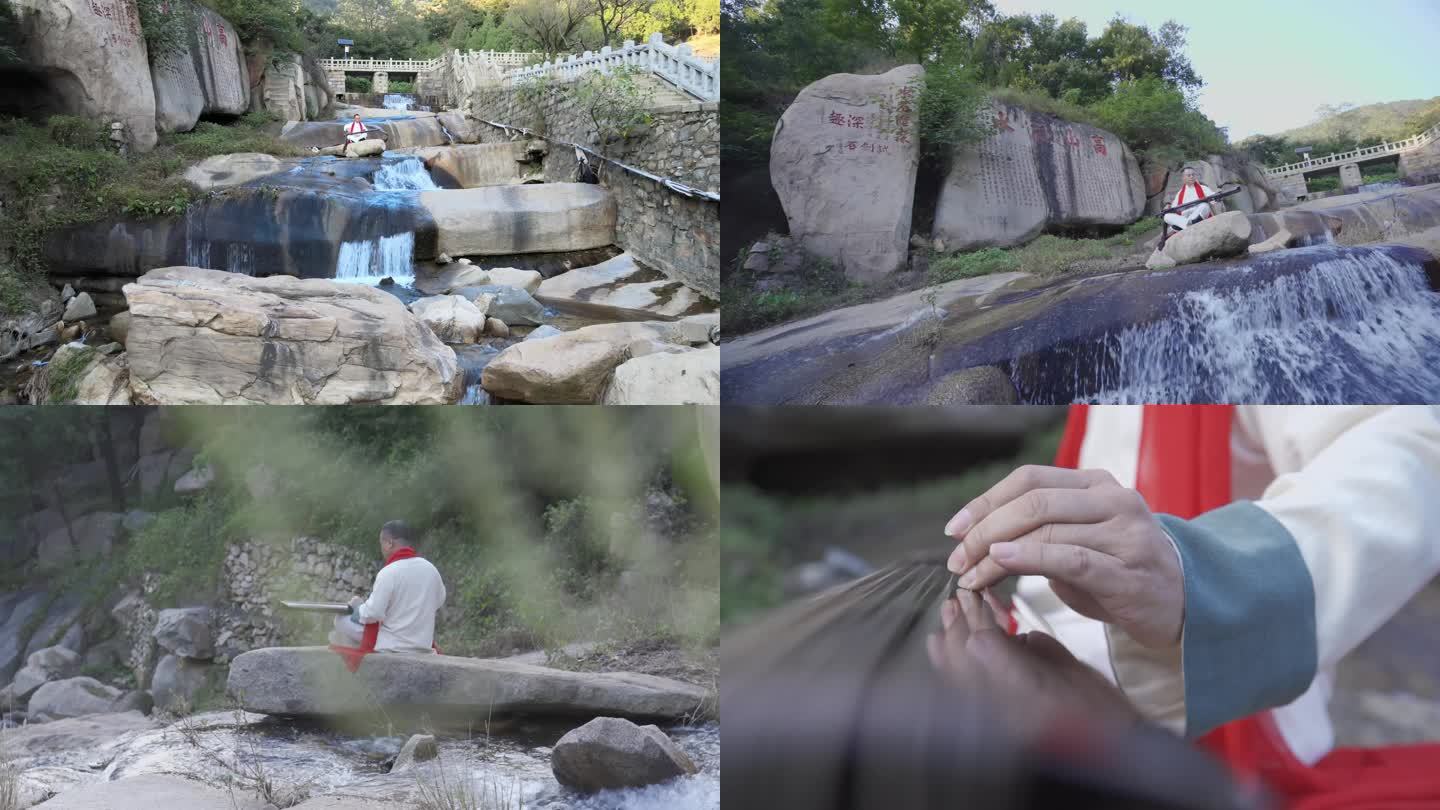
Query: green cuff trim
<point x="1249" y="641"/>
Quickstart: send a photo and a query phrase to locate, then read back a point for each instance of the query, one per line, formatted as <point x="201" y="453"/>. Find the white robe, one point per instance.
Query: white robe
<point x="1194" y="213"/>
<point x="406" y="595"/>
<point x="1357" y="487"/>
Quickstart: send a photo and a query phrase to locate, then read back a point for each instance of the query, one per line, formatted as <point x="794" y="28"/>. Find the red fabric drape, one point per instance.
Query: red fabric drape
<point x="1184" y="470"/>
<point x="353" y="655"/>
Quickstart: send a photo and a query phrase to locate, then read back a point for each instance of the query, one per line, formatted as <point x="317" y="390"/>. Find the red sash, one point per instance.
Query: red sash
<point x="1184" y="470"/>
<point x="352" y="655"/>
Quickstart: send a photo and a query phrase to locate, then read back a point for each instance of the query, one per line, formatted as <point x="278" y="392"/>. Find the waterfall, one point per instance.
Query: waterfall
<point x="398" y="101"/>
<point x="1356" y="325"/>
<point x="235" y="257"/>
<point x="405" y="173"/>
<point x="369" y="261"/>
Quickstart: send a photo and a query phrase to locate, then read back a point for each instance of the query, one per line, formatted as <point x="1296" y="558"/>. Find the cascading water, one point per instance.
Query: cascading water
<point x="1356" y="325"/>
<point x="404" y="173"/>
<point x="398" y="101"/>
<point x="370" y="260"/>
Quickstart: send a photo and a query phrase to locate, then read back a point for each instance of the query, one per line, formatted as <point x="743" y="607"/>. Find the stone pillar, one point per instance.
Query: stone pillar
<point x="336" y="80"/>
<point x="1350" y="177"/>
<point x="381" y="83"/>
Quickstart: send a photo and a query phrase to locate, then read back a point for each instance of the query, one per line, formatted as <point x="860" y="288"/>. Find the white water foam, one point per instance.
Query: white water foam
<point x="403" y="173"/>
<point x="1357" y="326"/>
<point x="370" y="261"/>
<point x="398" y="101"/>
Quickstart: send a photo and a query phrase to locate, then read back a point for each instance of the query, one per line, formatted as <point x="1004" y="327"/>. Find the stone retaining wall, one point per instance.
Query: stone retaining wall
<point x="676" y="234"/>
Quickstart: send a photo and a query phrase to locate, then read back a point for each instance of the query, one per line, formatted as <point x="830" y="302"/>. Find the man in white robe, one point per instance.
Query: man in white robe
<point x="407" y="594"/>
<point x="1239" y="614"/>
<point x="1191" y="189"/>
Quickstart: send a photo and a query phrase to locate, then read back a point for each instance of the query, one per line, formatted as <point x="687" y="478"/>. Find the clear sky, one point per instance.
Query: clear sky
<point x="1268" y="64"/>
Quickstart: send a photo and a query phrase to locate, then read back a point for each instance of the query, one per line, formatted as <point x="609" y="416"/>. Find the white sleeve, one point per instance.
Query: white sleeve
<point x="375" y="608"/>
<point x="1358" y="488"/>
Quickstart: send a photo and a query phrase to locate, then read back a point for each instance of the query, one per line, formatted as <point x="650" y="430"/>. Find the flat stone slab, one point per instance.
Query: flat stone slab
<point x="621" y="289"/>
<point x="312" y="681"/>
<point x="88" y="733"/>
<point x="501" y="220"/>
<point x="151" y="792"/>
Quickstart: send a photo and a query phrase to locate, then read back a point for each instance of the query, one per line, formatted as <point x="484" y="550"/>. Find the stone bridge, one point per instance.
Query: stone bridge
<point x="674" y="65"/>
<point x="1291" y="177"/>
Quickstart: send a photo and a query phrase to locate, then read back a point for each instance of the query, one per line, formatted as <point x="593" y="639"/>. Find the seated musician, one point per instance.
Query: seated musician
<point x="1191" y="189"/>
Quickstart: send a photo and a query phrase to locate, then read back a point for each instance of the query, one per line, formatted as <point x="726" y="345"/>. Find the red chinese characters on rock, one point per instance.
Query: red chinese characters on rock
<point x="1039" y="132"/>
<point x="838" y="119"/>
<point x="857" y="122"/>
<point x="123" y="16"/>
<point x="1002" y="121"/>
<point x="1072" y="141"/>
<point x="903" y="110"/>
<point x="1098" y="143"/>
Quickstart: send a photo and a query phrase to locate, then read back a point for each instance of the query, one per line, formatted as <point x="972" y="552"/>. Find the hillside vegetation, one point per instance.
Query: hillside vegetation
<point x="1342" y="127"/>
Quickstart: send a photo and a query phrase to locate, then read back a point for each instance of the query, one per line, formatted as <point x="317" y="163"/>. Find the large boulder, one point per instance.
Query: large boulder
<point x="512" y="305"/>
<point x="73" y="697"/>
<point x="177" y="681"/>
<point x="88" y="536"/>
<point x="36" y="323"/>
<point x="205" y="75"/>
<point x="185" y="632"/>
<point x="43" y="666"/>
<point x="89" y="58"/>
<point x="22" y="611"/>
<point x="1216" y="238"/>
<point x="222" y="171"/>
<point x="370" y="147"/>
<point x="208" y="336"/>
<point x="609" y="753"/>
<point x="453" y="318"/>
<point x="472" y="165"/>
<point x="667" y="378"/>
<point x="501" y="220"/>
<point x="843" y="163"/>
<point x="1033" y="173"/>
<point x="572" y="368"/>
<point x="619" y="288"/>
<point x="312" y="681"/>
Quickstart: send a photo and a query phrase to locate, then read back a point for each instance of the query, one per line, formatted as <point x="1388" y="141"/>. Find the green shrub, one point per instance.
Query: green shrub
<point x="62" y="377"/>
<point x="968" y="265"/>
<point x="78" y="131"/>
<point x="402" y="87"/>
<point x="182" y="549"/>
<point x="951" y="109"/>
<point x="357" y="84"/>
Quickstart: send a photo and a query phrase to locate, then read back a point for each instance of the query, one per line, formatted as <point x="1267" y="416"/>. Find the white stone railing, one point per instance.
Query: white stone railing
<point x="1379" y="150"/>
<point x="675" y="64"/>
<point x="387" y="65"/>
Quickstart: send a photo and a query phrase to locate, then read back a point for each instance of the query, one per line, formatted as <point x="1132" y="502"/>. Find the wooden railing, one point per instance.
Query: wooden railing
<point x="675" y="64"/>
<point x="1364" y="152"/>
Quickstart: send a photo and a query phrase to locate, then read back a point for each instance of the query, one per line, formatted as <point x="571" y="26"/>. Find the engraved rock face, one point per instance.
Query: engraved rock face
<point x="96" y="58"/>
<point x="843" y="163"/>
<point x="1036" y="172"/>
<point x="208" y="75"/>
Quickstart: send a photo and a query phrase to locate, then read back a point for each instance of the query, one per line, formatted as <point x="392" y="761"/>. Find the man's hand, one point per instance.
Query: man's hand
<point x="1097" y="542"/>
<point x="1037" y="678"/>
